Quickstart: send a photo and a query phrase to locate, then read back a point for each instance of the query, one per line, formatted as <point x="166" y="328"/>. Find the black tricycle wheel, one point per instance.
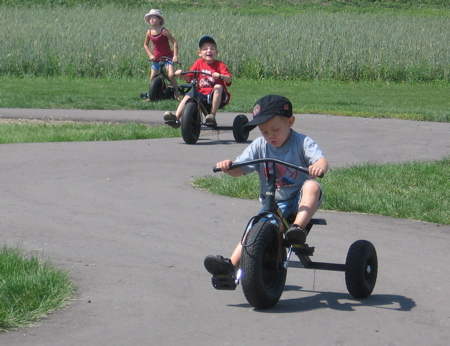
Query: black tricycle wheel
<point x="361" y="269"/>
<point x="264" y="274"/>
<point x="190" y="123"/>
<point x="156" y="90"/>
<point x="239" y="134"/>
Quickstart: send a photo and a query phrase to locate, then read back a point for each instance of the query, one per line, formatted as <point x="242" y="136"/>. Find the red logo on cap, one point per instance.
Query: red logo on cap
<point x="256" y="109"/>
<point x="286" y="106"/>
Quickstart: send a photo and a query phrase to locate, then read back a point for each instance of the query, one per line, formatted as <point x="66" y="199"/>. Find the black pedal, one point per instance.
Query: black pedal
<point x="224" y="282"/>
<point x="303" y="250"/>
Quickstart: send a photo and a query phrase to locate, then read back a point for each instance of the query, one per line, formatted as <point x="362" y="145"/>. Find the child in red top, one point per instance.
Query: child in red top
<point x="215" y="86"/>
<point x="160" y="37"/>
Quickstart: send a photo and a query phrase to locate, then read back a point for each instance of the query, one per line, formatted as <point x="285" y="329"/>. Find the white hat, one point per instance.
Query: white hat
<point x="154" y="12"/>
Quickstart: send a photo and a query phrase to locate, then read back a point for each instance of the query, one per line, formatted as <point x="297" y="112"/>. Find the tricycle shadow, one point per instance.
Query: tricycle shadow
<point x="210" y="141"/>
<point x="336" y="301"/>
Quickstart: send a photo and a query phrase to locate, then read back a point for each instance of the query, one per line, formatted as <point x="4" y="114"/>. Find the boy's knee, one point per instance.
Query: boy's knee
<point x="311" y="187"/>
<point x="218" y="88"/>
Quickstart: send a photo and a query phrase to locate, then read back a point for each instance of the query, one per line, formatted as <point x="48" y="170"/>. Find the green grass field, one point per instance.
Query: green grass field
<point x="314" y="42"/>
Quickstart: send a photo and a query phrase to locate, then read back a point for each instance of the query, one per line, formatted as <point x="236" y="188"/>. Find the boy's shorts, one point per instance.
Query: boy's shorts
<point x="155" y="65"/>
<point x="208" y="98"/>
<point x="290" y="206"/>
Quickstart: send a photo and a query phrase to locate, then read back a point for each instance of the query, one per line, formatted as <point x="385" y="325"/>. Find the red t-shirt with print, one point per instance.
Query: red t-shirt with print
<point x="206" y="83"/>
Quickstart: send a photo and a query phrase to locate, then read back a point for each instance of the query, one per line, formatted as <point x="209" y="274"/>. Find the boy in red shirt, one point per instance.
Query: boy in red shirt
<point x="215" y="86"/>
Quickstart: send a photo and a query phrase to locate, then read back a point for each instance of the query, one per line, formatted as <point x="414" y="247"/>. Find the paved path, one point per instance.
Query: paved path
<point x="123" y="218"/>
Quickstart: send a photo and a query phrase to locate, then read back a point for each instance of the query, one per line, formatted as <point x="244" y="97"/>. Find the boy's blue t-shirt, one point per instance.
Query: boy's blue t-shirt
<point x="299" y="150"/>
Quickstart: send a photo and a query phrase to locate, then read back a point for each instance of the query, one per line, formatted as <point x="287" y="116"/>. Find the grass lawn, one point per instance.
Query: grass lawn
<point x="426" y="101"/>
<point x="30" y="288"/>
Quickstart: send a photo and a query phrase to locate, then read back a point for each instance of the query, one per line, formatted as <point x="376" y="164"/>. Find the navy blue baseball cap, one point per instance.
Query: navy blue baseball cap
<point x="205" y="39"/>
<point x="268" y="107"/>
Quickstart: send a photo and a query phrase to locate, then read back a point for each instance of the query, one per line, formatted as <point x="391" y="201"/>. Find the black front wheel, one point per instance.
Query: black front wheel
<point x="361" y="269"/>
<point x="264" y="274"/>
<point x="190" y="123"/>
<point x="156" y="90"/>
<point x="239" y="134"/>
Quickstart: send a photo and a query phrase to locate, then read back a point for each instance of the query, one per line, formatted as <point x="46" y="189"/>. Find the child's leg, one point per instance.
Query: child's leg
<point x="235" y="257"/>
<point x="153" y="74"/>
<point x="173" y="80"/>
<point x="309" y="203"/>
<point x="180" y="108"/>
<point x="216" y="99"/>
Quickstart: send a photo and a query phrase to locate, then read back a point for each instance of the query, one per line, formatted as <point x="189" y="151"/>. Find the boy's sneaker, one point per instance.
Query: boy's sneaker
<point x="210" y="120"/>
<point x="217" y="265"/>
<point x="296" y="234"/>
<point x="170" y="117"/>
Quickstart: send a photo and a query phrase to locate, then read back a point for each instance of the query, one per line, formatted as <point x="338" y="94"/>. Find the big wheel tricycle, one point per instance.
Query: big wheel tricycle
<point x="266" y="252"/>
<point x="193" y="118"/>
<point x="160" y="87"/>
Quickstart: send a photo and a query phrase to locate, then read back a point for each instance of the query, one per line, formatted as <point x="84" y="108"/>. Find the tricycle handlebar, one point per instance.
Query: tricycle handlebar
<point x="164" y="59"/>
<point x="196" y="72"/>
<point x="251" y="162"/>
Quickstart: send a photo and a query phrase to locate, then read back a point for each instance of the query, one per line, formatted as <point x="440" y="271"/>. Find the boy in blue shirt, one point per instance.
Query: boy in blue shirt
<point x="297" y="193"/>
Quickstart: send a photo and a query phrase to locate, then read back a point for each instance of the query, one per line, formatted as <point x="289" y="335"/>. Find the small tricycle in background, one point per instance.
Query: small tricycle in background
<point x="160" y="87"/>
<point x="195" y="111"/>
<point x="266" y="252"/>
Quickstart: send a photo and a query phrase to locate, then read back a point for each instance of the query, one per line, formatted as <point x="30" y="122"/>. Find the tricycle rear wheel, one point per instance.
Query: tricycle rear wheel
<point x="239" y="134"/>
<point x="264" y="274"/>
<point x="361" y="269"/>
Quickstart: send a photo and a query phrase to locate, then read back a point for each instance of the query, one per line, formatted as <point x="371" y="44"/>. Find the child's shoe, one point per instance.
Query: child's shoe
<point x="296" y="234"/>
<point x="210" y="120"/>
<point x="217" y="265"/>
<point x="169" y="117"/>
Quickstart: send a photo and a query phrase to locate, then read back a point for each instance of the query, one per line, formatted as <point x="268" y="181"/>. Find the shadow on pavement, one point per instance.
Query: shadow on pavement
<point x="336" y="301"/>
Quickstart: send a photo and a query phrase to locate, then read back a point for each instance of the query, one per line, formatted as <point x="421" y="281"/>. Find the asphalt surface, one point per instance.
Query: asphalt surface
<point x="124" y="220"/>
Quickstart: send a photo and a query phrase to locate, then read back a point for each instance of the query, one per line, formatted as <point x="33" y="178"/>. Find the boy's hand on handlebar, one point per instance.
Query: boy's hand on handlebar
<point x="316" y="171"/>
<point x="224" y="165"/>
<point x="178" y="73"/>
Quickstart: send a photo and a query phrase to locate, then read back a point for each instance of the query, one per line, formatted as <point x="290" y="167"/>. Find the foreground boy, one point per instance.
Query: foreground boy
<point x="299" y="193"/>
<point x="212" y="89"/>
